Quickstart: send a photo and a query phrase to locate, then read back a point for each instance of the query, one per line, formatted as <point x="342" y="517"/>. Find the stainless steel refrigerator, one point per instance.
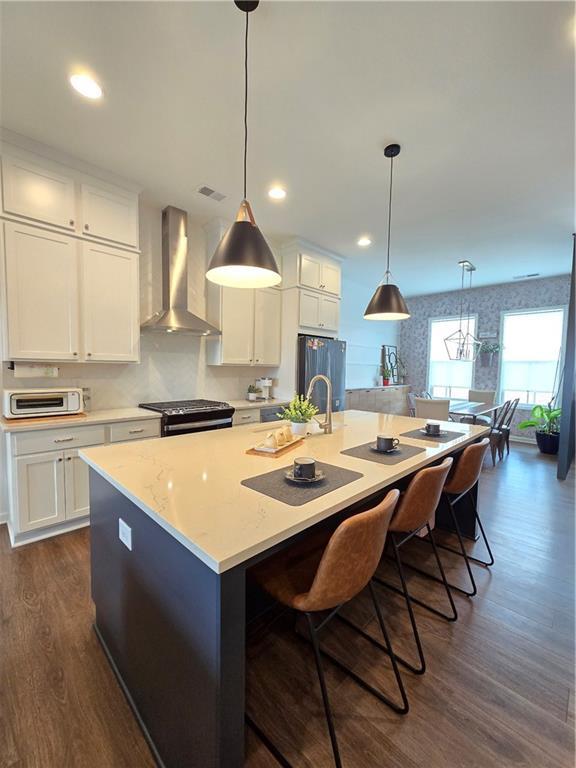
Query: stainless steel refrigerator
<point x="319" y="354"/>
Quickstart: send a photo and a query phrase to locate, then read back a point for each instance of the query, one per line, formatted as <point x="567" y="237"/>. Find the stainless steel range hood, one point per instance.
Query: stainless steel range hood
<point x="175" y="317"/>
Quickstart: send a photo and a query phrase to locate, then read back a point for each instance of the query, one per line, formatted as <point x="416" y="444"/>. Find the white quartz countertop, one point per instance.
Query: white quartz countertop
<point x="191" y="484"/>
<point x="242" y="405"/>
<point x="77" y="420"/>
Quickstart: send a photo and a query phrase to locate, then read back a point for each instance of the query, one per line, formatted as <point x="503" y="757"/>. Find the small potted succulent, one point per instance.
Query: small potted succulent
<point x="385" y="372"/>
<point x="299" y="413"/>
<point x="546" y="421"/>
<point x="253" y="392"/>
<point x="487" y="352"/>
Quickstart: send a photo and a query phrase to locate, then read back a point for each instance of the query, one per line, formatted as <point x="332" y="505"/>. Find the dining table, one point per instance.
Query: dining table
<point x="473" y="409"/>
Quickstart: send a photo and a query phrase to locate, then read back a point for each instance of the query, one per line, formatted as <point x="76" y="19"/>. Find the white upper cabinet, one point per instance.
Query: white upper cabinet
<point x="307" y="266"/>
<point x="318" y="311"/>
<point x="267" y="326"/>
<point x="41" y="279"/>
<point x="110" y="304"/>
<point x="36" y="192"/>
<point x="109" y="214"/>
<point x="237" y="326"/>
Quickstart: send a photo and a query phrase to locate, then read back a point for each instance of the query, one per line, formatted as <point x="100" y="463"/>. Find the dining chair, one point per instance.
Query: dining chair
<point x="507" y="425"/>
<point x="496" y="435"/>
<point x="323" y="578"/>
<point x="411" y="397"/>
<point x="432" y="408"/>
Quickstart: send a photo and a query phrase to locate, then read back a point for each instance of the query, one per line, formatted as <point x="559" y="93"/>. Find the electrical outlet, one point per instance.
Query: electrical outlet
<point x="125" y="534"/>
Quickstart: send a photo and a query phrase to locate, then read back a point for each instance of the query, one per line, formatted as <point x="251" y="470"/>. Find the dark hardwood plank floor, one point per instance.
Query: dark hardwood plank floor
<point x="499" y="690"/>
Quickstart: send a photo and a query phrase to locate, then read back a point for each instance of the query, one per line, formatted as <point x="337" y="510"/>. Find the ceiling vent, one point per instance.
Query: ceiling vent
<point x="211" y="193"/>
<point x="526" y="277"/>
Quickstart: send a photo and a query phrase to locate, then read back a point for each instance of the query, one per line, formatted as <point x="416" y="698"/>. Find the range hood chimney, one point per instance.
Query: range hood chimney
<point x="175" y="317"/>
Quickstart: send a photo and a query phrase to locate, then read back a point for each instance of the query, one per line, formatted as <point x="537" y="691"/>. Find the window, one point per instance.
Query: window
<point x="531" y="349"/>
<point x="448" y="378"/>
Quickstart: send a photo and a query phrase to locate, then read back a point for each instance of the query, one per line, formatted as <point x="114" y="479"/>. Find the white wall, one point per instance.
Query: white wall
<point x="364" y="337"/>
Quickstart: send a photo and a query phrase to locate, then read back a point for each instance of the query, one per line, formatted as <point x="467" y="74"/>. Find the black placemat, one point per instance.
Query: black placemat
<point x="275" y="485"/>
<point x="402" y="453"/>
<point x="446" y="438"/>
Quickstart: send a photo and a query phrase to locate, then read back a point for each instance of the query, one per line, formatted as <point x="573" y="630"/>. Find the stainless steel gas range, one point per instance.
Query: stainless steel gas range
<point x="181" y="417"/>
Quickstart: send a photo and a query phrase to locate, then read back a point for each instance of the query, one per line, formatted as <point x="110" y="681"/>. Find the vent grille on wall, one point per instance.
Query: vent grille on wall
<point x="211" y="193"/>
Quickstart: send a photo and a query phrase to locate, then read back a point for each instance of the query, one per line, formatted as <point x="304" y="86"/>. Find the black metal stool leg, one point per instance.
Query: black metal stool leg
<point x="326" y="701"/>
<point x="404" y="591"/>
<point x="444" y="579"/>
<point x="279" y="757"/>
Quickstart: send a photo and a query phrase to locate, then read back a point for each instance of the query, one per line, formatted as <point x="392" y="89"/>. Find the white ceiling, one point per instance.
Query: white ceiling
<point x="479" y="94"/>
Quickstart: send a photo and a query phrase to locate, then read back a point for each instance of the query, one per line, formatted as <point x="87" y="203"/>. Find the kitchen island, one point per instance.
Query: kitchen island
<point x="170" y="597"/>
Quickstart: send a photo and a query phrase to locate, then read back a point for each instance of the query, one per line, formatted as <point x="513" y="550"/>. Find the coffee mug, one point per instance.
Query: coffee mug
<point x="304" y="468"/>
<point x="385" y="443"/>
<point x="432" y="427"/>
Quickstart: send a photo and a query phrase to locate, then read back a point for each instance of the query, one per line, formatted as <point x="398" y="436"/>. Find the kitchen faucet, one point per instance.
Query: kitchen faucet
<point x="327" y="424"/>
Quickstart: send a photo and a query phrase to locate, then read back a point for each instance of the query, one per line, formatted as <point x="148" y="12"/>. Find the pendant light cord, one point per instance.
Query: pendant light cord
<point x="389" y="220"/>
<point x="245" y="102"/>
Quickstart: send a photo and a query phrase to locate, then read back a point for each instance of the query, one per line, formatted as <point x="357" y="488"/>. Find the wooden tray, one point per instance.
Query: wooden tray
<point x="278" y="453"/>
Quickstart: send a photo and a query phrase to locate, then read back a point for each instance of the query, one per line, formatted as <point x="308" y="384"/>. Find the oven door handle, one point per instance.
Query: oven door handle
<point x="197" y="425"/>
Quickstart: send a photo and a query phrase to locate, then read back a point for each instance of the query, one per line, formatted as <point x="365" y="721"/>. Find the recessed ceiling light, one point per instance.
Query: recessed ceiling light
<point x="277" y="193"/>
<point x="86" y="85"/>
<point x="364" y="241"/>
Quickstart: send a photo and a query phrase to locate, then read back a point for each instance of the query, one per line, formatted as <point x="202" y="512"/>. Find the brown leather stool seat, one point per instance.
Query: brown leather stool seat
<point x="322" y="573"/>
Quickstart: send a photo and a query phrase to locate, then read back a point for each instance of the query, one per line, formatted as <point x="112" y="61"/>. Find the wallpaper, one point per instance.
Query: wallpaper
<point x="487" y="303"/>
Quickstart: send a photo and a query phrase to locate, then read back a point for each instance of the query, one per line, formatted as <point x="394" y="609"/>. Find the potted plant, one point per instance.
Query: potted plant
<point x="546" y="421"/>
<point x="299" y="413"/>
<point x="487" y="352"/>
<point x="253" y="392"/>
<point x="385" y="372"/>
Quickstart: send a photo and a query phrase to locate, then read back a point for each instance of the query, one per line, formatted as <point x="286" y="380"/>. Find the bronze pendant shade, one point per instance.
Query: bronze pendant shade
<point x="243" y="258"/>
<point x="387" y="303"/>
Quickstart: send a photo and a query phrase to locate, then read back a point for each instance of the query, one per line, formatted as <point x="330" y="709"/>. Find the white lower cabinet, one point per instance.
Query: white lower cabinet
<point x="49" y="481"/>
<point x="40" y="490"/>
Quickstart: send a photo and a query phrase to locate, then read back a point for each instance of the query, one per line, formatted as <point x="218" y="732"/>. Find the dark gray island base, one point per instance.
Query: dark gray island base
<point x="173" y="630"/>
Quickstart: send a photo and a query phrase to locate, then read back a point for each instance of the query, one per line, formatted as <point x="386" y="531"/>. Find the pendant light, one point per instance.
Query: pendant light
<point x="463" y="345"/>
<point x="387" y="302"/>
<point x="243" y="258"/>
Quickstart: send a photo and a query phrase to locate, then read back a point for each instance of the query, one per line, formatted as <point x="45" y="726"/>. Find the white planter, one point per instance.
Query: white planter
<point x="252" y="395"/>
<point x="299" y="428"/>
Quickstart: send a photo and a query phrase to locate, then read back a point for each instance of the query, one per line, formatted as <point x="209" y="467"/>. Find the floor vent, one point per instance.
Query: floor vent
<point x="211" y="193"/>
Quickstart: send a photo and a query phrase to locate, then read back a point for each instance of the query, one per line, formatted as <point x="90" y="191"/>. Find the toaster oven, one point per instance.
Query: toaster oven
<point x="27" y="403"/>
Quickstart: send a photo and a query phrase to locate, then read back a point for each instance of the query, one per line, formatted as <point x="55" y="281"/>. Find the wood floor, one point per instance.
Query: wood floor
<point x="499" y="689"/>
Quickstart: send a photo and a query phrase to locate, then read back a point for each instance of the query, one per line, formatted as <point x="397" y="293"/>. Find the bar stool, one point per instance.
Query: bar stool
<point x="413" y="515"/>
<point x="462" y="479"/>
<point x="324" y="579"/>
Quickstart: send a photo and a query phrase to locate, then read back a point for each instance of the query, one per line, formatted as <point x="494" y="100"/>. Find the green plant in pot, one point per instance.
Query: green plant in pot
<point x="385" y="372"/>
<point x="253" y="392"/>
<point x="299" y="412"/>
<point x="546" y="421"/>
<point x="487" y="352"/>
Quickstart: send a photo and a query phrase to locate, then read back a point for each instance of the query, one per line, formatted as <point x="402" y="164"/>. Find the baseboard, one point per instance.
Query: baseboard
<point x="29" y="537"/>
<point x="519" y="439"/>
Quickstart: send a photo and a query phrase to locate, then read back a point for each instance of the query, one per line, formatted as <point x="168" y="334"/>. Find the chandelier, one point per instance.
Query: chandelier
<point x="463" y="345"/>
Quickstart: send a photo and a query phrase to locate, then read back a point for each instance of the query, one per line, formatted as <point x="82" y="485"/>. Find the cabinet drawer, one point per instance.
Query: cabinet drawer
<point x="134" y="430"/>
<point x="246" y="417"/>
<point x="55" y="439"/>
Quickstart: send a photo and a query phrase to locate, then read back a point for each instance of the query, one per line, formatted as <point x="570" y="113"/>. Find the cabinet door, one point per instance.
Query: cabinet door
<point x="40" y="489"/>
<point x="37" y="193"/>
<point x="329" y="313"/>
<point x="41" y="294"/>
<point x="330" y="278"/>
<point x="310" y="271"/>
<point x="110" y="304"/>
<point x="110" y="214"/>
<point x="77" y="491"/>
<point x="310" y="309"/>
<point x="267" y="326"/>
<point x="237" y="326"/>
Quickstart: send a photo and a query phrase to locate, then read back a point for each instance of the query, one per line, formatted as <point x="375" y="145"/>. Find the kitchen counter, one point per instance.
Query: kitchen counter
<point x="173" y="532"/>
<point x="190" y="484"/>
<point x="373" y="389"/>
<point x="242" y="405"/>
<point x="76" y="420"/>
